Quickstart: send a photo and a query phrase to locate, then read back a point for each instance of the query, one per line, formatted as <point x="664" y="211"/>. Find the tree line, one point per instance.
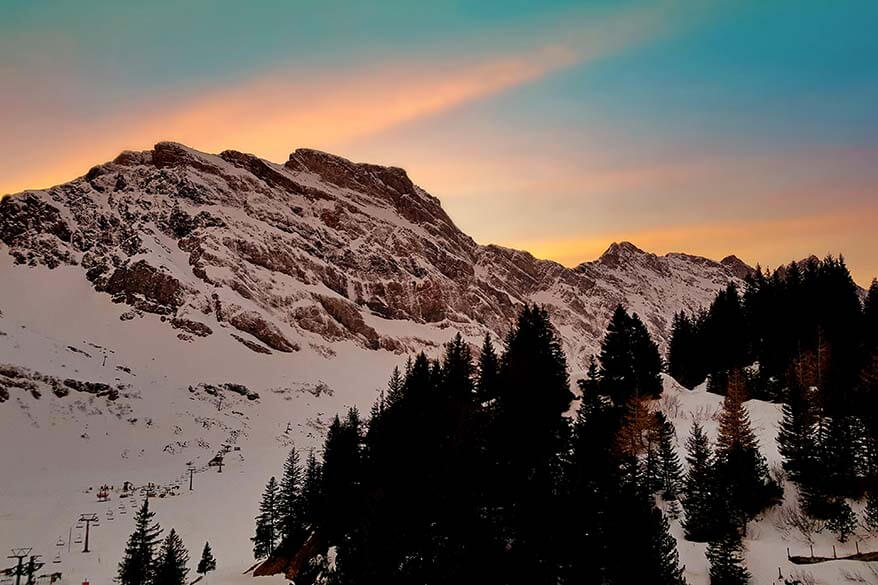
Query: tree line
<point x="801" y="336"/>
<point x="471" y="469"/>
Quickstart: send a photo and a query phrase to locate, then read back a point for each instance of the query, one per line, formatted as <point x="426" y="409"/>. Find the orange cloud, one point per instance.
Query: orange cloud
<point x="272" y="114"/>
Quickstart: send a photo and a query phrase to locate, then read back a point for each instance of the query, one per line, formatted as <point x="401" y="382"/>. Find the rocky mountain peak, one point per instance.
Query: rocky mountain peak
<point x="619" y="252"/>
<point x="320" y="250"/>
<point x="737" y="266"/>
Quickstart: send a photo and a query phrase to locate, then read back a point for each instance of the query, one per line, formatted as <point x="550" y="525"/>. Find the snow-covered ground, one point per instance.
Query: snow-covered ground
<point x="769" y="536"/>
<point x="56" y="451"/>
<point x="55" y="448"/>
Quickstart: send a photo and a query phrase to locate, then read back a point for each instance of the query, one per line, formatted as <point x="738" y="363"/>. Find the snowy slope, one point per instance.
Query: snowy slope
<point x="769" y="536"/>
<point x="302" y="284"/>
<point x="56" y="447"/>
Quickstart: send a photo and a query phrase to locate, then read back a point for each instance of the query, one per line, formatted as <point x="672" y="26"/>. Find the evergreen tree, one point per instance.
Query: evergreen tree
<point x="726" y="334"/>
<point x="726" y="557"/>
<point x="530" y="433"/>
<point x="663" y="552"/>
<point x="591" y="384"/>
<point x="267" y="524"/>
<point x="207" y="562"/>
<point x="394" y="386"/>
<point x="670" y="470"/>
<point x="489" y="370"/>
<point x="311" y="492"/>
<point x="684" y="351"/>
<point x="842" y="519"/>
<point x="456" y="377"/>
<point x="288" y="504"/>
<point x="698" y="487"/>
<point x="741" y="470"/>
<point x="630" y="361"/>
<point x="796" y="440"/>
<point x="171" y="566"/>
<point x="341" y="471"/>
<point x="138" y="564"/>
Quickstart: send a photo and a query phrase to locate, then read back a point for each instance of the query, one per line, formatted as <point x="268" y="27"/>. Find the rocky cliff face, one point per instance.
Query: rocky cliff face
<point x="321" y="250"/>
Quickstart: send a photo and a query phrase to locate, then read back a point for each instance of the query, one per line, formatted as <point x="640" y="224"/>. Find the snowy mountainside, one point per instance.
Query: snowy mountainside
<point x="172" y="305"/>
<point x="320" y="250"/>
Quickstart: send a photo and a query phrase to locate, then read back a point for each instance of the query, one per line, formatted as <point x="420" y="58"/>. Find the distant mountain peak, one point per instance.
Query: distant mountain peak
<point x="737" y="266"/>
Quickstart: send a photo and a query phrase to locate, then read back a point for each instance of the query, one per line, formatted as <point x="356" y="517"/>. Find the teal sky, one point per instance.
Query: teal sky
<point x="707" y="127"/>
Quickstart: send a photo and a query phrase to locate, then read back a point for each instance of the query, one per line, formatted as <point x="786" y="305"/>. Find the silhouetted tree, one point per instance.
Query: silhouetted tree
<point x="171" y="564"/>
<point x="267" y="523"/>
<point x="138" y="564"/>
<point x="630" y="361"/>
<point x="207" y="562"/>
<point x="725" y="555"/>
<point x="698" y="492"/>
<point x="288" y="505"/>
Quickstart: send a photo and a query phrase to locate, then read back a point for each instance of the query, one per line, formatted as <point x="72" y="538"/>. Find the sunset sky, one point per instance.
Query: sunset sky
<point x="730" y="126"/>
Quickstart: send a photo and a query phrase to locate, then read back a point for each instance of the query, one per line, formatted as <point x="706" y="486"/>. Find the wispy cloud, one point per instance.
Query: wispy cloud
<point x="272" y="113"/>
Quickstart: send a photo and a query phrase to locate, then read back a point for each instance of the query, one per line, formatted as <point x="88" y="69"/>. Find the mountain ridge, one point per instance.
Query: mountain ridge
<point x="321" y="249"/>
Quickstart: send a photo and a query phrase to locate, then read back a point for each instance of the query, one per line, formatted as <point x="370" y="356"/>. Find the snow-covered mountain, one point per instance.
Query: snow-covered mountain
<point x="173" y="305"/>
<point x="318" y="250"/>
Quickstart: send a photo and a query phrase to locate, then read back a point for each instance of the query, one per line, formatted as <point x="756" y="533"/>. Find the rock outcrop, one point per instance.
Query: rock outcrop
<point x="321" y="249"/>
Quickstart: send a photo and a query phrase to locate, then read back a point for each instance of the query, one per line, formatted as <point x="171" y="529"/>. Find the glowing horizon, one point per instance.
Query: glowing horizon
<point x="557" y="128"/>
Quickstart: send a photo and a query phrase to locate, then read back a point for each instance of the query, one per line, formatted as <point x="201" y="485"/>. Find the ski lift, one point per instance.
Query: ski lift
<point x="78" y="539"/>
<point x="60" y="542"/>
<point x="57" y="558"/>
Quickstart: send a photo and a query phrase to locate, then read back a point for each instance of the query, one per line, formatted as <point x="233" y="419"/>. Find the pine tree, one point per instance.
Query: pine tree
<point x="311" y="492"/>
<point x="726" y="559"/>
<point x="685" y="359"/>
<point x="796" y="440"/>
<point x="530" y="433"/>
<point x="171" y="566"/>
<point x="267" y="522"/>
<point x="394" y="387"/>
<point x="489" y="371"/>
<point x="741" y="470"/>
<point x="670" y="470"/>
<point x="455" y="380"/>
<point x="591" y="384"/>
<point x="341" y="469"/>
<point x="698" y="487"/>
<point x="630" y="360"/>
<point x="207" y="562"/>
<point x="663" y="552"/>
<point x="138" y="564"/>
<point x="842" y="519"/>
<point x="288" y="505"/>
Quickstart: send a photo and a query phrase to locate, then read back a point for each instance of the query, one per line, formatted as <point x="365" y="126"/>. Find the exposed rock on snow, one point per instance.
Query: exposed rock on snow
<point x="321" y="249"/>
